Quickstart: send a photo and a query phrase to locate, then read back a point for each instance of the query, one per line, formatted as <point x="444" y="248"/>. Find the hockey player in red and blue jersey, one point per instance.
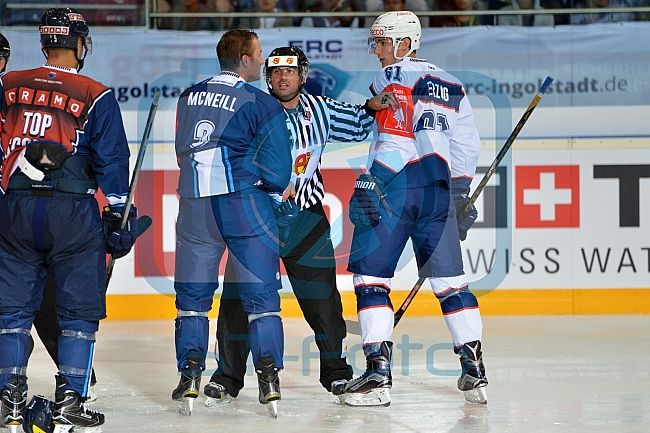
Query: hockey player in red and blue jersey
<point x="420" y="166"/>
<point x="233" y="149"/>
<point x="62" y="139"/>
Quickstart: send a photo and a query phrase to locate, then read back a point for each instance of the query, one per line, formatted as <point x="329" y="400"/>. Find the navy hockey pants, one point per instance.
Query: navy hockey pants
<point x="244" y="223"/>
<point x="308" y="258"/>
<point x="60" y="234"/>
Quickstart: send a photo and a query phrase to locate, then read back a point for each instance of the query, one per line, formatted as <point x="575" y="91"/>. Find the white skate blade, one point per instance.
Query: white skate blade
<point x="14" y="428"/>
<point x="186" y="406"/>
<point x="216" y="402"/>
<point x="476" y="395"/>
<point x="272" y="406"/>
<point x="374" y="397"/>
<point x="78" y="429"/>
<point x="91" y="395"/>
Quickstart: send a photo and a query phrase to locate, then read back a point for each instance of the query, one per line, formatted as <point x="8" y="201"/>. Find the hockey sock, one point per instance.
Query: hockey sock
<point x="460" y="309"/>
<point x="76" y="353"/>
<point x="14" y="345"/>
<point x="375" y="311"/>
<point x="264" y="325"/>
<point x="192" y="333"/>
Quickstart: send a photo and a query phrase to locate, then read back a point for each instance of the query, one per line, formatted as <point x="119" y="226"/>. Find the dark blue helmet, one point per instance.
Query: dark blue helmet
<point x="4" y="49"/>
<point x="62" y="28"/>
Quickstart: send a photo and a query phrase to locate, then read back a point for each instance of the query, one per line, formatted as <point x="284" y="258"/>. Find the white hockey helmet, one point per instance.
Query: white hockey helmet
<point x="396" y="26"/>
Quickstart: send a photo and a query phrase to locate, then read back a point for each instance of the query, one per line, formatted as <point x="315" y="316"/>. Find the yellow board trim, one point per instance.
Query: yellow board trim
<point x="496" y="302"/>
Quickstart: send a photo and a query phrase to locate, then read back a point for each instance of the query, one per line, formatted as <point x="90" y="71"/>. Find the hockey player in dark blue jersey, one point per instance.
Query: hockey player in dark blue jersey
<point x="235" y="161"/>
<point x="62" y="138"/>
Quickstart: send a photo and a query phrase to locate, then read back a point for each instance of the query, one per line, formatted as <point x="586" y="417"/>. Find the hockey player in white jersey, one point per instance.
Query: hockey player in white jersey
<point x="420" y="166"/>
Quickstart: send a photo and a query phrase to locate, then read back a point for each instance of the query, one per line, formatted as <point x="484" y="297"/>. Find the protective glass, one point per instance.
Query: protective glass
<point x="88" y="44"/>
<point x="372" y="44"/>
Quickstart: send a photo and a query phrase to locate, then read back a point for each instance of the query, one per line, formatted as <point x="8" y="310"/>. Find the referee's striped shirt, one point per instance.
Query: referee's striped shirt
<point x="315" y="121"/>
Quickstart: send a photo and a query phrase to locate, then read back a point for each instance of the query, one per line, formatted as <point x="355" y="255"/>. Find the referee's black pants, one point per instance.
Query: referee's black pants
<point x="308" y="258"/>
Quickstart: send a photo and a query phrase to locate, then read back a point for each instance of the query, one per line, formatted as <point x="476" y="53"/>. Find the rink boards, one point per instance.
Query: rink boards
<point x="562" y="230"/>
<point x="563" y="224"/>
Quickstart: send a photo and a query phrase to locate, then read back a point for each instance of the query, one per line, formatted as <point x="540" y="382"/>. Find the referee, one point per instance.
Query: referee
<point x="306" y="248"/>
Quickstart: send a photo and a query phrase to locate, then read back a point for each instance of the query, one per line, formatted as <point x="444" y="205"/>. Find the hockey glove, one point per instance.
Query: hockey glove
<point x="285" y="212"/>
<point x="119" y="241"/>
<point x="364" y="204"/>
<point x="465" y="218"/>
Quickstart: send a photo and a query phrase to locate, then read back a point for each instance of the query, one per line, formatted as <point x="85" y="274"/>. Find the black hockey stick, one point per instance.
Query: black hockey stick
<point x="353" y="326"/>
<point x="135" y="176"/>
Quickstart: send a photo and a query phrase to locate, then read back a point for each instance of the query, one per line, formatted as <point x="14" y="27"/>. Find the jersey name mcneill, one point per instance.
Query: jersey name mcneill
<point x="216" y="100"/>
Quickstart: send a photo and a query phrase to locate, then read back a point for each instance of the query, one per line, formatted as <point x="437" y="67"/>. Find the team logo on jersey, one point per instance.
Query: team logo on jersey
<point x="51" y="75"/>
<point x="202" y="132"/>
<point x="399" y="118"/>
<point x="301" y="162"/>
<point x="547" y="196"/>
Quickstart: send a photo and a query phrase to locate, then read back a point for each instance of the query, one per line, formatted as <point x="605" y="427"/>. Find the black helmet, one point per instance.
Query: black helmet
<point x="287" y="57"/>
<point x="4" y="49"/>
<point x="62" y="28"/>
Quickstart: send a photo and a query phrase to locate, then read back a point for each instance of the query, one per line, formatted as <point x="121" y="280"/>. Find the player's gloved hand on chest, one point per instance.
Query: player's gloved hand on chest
<point x="465" y="218"/>
<point x="119" y="241"/>
<point x="285" y="212"/>
<point x="364" y="204"/>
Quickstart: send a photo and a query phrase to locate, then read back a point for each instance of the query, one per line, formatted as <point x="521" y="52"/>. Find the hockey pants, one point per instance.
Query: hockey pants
<point x="308" y="258"/>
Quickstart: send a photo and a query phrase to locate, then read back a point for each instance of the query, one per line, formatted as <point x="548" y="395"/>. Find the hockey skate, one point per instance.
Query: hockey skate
<point x="268" y="381"/>
<point x="188" y="386"/>
<point x="71" y="410"/>
<point x="372" y="387"/>
<point x="216" y="395"/>
<point x="472" y="380"/>
<point x="338" y="389"/>
<point x="14" y="399"/>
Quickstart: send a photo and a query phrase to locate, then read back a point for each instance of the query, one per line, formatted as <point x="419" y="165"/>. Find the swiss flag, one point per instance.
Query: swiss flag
<point x="547" y="196"/>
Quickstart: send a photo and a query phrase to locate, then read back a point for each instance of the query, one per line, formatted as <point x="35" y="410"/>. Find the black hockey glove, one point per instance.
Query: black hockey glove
<point x="364" y="204"/>
<point x="285" y="212"/>
<point x="119" y="241"/>
<point x="465" y="219"/>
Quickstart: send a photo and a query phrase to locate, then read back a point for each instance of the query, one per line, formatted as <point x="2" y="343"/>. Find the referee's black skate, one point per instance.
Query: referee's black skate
<point x="371" y="388"/>
<point x="268" y="381"/>
<point x="216" y="394"/>
<point x="188" y="386"/>
<point x="70" y="408"/>
<point x="14" y="400"/>
<point x="472" y="380"/>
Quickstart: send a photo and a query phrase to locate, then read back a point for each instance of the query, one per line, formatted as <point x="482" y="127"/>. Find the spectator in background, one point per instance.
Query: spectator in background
<point x="221" y="23"/>
<point x="163" y="6"/>
<point x="399" y="5"/>
<point x="602" y="17"/>
<point x="113" y="16"/>
<point x="264" y="23"/>
<point x="525" y="20"/>
<point x="643" y="16"/>
<point x="460" y="20"/>
<point x="558" y="19"/>
<point x="327" y="6"/>
<point x="191" y="23"/>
